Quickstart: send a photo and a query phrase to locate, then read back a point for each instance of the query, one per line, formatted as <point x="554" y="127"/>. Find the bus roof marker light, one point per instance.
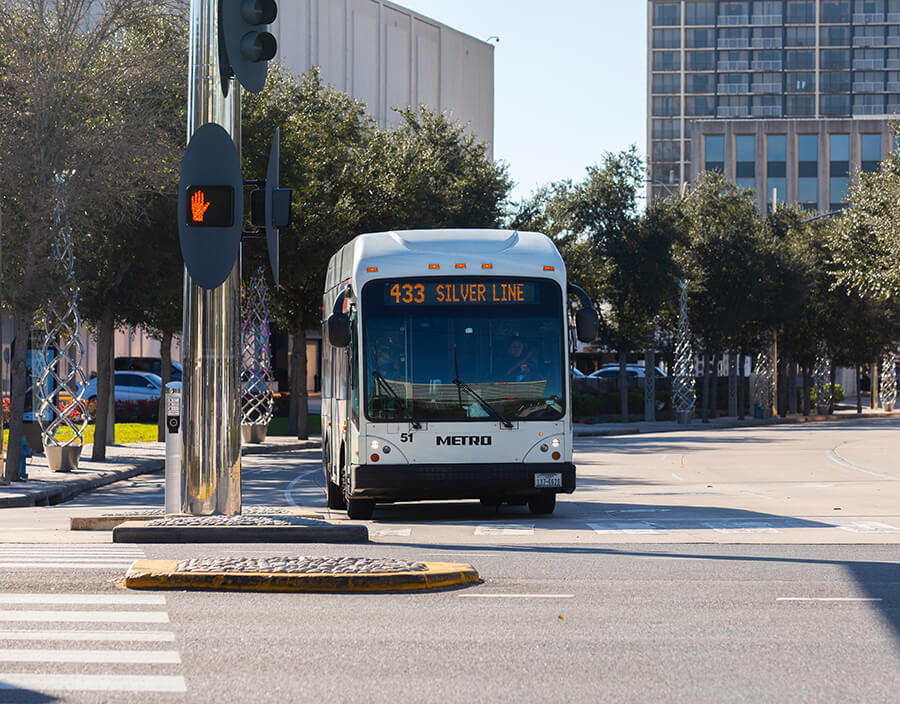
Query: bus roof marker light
<point x="487" y="266"/>
<point x="549" y="268"/>
<point x="371" y="268"/>
<point x="434" y="266"/>
<point x="460" y="265"/>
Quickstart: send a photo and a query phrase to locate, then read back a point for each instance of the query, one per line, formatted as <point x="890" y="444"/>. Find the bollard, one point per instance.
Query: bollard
<point x="173" y="447"/>
<point x="24" y="455"/>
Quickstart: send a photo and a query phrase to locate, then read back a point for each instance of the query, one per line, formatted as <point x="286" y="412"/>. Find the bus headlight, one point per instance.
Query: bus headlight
<point x="374" y="444"/>
<point x="555" y="442"/>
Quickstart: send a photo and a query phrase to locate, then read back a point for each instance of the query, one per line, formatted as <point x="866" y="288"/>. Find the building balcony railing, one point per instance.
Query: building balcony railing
<point x="732" y="111"/>
<point x="766" y="111"/>
<point x="893" y="108"/>
<point x="767" y="19"/>
<point x="892" y="40"/>
<point x="868" y="63"/>
<point x="766" y="42"/>
<point x="766" y="65"/>
<point x="733" y="88"/>
<point x="868" y="110"/>
<point x="732" y="19"/>
<point x="766" y="87"/>
<point x="733" y="65"/>
<point x="867" y="87"/>
<point x="892" y="63"/>
<point x="868" y="41"/>
<point x="868" y="17"/>
<point x="734" y="43"/>
<point x="893" y="86"/>
<point x="893" y="17"/>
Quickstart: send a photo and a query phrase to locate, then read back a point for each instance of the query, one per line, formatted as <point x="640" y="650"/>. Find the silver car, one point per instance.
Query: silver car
<point x="130" y="386"/>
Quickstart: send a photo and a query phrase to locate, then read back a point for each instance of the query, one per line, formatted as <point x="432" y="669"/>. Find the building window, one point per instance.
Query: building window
<point x="870" y="147"/>
<point x="801" y="12"/>
<point x="800" y="36"/>
<point x="700" y="12"/>
<point x="667" y="13"/>
<point x="776" y="167"/>
<point x="733" y="106"/>
<point x="699" y="106"/>
<point x="808" y="171"/>
<point x="835" y="81"/>
<point x="666" y="173"/>
<point x="666" y="61"/>
<point x="699" y="38"/>
<point x="745" y="160"/>
<point x="666" y="38"/>
<point x="800" y="82"/>
<point x="838" y="169"/>
<point x="838" y="35"/>
<point x="666" y="83"/>
<point x="799" y="105"/>
<point x="714" y="152"/>
<point x="666" y="107"/>
<point x="666" y="151"/>
<point x="836" y="11"/>
<point x="868" y="104"/>
<point x="699" y="83"/>
<point x="834" y="104"/>
<point x="666" y="129"/>
<point x="734" y="9"/>
<point x="868" y="7"/>
<point x="800" y="59"/>
<point x="700" y="61"/>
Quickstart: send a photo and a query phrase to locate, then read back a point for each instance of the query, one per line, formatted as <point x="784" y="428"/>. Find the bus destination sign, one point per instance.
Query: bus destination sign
<point x="461" y="291"/>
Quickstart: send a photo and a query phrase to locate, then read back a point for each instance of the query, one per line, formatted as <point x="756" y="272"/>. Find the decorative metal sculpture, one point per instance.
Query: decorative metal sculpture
<point x="258" y="401"/>
<point x="62" y="380"/>
<point x="822" y="379"/>
<point x="683" y="391"/>
<point x="764" y="385"/>
<point x="887" y="387"/>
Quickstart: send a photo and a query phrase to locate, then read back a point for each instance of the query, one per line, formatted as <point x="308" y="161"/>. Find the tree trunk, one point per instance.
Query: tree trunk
<point x="742" y="400"/>
<point x="649" y="384"/>
<point x="858" y="389"/>
<point x="806" y="387"/>
<point x="714" y="385"/>
<point x="299" y="414"/>
<point x="105" y="332"/>
<point x="623" y="385"/>
<point x="165" y="372"/>
<point x="704" y="407"/>
<point x="23" y="321"/>
<point x="831" y="377"/>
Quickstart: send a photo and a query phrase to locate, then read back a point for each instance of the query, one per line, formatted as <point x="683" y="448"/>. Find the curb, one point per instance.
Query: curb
<point x="110" y="521"/>
<point x="141" y="532"/>
<point x="162" y="574"/>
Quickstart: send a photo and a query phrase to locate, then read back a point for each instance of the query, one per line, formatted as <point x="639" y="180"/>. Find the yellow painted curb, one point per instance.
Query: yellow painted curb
<point x="161" y="574"/>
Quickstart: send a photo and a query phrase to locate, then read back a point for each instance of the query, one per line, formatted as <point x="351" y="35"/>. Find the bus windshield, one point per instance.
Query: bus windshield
<point x="463" y="349"/>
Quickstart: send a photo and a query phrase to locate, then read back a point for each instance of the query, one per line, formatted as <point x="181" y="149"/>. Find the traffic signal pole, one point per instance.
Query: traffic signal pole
<point x="211" y="455"/>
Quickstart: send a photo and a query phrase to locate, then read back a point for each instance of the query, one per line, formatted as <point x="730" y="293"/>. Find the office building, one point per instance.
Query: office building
<point x="790" y="96"/>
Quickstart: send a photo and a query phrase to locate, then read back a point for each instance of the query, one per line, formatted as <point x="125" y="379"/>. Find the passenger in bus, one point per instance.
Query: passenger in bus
<point x="389" y="359"/>
<point x="519" y="361"/>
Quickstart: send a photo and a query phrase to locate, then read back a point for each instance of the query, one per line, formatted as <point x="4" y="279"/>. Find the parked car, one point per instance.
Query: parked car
<point x="153" y="365"/>
<point x="577" y="373"/>
<point x="130" y="386"/>
<point x="608" y="371"/>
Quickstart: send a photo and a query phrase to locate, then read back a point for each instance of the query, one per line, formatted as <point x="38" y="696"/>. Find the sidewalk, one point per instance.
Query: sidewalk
<point x="844" y="412"/>
<point x="46" y="488"/>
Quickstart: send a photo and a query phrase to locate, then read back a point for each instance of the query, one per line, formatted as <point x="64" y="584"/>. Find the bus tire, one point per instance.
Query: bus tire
<point x="334" y="495"/>
<point x="360" y="509"/>
<point x="542" y="504"/>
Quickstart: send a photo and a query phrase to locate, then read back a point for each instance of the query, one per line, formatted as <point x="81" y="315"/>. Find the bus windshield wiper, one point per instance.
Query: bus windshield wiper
<point x="460" y="384"/>
<point x="383" y="384"/>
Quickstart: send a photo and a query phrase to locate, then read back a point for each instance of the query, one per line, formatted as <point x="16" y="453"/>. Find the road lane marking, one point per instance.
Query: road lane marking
<point x="827" y="598"/>
<point x="153" y="657"/>
<point x="294" y="481"/>
<point x="41" y="682"/>
<point x="65" y="565"/>
<point x="389" y="532"/>
<point x="868" y="527"/>
<point x="729" y="526"/>
<point x="681" y="479"/>
<point x="117" y="599"/>
<point x="505" y="529"/>
<point x="142" y="636"/>
<point x="837" y="459"/>
<point x="86" y="616"/>
<point x="516" y="596"/>
<point x="627" y="527"/>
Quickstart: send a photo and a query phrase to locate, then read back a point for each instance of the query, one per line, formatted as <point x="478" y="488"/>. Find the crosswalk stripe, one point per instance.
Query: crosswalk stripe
<point x="91" y="683"/>
<point x="112" y="599"/>
<point x="86" y="616"/>
<point x="64" y="565"/>
<point x="138" y="636"/>
<point x="505" y="529"/>
<point x="155" y="657"/>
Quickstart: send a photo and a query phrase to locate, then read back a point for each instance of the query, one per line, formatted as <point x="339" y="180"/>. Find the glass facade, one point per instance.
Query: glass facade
<point x="745" y="160"/>
<point x="870" y="152"/>
<point x="808" y="170"/>
<point x="776" y="168"/>
<point x="714" y="151"/>
<point x="838" y="170"/>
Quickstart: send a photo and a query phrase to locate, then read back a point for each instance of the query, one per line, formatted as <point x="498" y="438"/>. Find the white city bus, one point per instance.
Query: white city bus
<point x="446" y="369"/>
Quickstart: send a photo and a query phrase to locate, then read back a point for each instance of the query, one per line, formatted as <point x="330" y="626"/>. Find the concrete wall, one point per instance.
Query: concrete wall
<point x="388" y="56"/>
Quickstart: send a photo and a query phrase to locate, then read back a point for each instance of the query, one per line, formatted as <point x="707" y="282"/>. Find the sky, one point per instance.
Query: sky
<point x="570" y="80"/>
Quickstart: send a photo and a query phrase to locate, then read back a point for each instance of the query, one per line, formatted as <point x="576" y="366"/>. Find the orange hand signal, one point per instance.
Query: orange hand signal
<point x="198" y="206"/>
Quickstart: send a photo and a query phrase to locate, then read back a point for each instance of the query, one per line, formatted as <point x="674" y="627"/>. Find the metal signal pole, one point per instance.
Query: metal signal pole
<point x="211" y="418"/>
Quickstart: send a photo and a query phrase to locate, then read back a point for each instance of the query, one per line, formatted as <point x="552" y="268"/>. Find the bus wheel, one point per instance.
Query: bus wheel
<point x="360" y="509"/>
<point x="542" y="503"/>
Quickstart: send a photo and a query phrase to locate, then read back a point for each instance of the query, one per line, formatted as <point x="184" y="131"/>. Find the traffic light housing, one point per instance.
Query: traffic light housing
<point x="270" y="206"/>
<point x="248" y="44"/>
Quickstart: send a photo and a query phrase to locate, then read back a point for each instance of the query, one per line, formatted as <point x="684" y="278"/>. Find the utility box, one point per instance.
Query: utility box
<point x="174" y="473"/>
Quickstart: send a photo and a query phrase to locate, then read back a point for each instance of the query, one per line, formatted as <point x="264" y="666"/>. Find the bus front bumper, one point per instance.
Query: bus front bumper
<point x="412" y="482"/>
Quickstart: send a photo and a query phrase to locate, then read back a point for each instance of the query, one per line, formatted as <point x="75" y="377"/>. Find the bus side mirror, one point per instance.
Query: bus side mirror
<point x="339" y="329"/>
<point x="587" y="324"/>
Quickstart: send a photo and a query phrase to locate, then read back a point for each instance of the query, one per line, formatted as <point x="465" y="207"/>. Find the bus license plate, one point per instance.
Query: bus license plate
<point x="548" y="480"/>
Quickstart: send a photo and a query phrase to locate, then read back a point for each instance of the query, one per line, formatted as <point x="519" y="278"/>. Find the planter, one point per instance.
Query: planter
<point x="63" y="458"/>
<point x="822" y="410"/>
<point x="888" y="407"/>
<point x="684" y="417"/>
<point x="254" y="433"/>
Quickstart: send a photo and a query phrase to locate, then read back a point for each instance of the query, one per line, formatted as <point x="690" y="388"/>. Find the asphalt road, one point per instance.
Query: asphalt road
<point x="730" y="566"/>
